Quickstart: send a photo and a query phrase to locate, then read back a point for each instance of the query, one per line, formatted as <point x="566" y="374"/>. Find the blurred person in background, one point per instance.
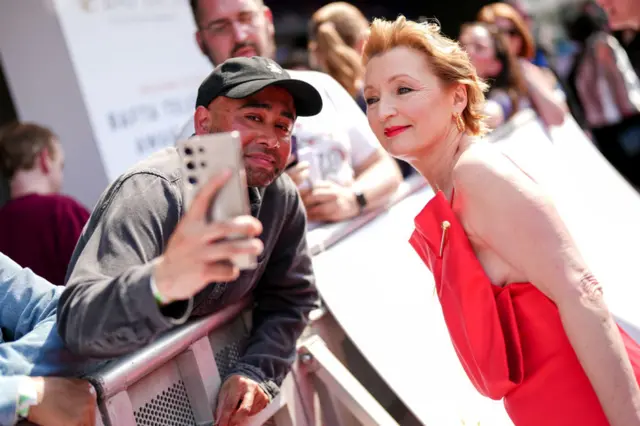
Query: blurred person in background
<point x="496" y="64"/>
<point x="338" y="164"/>
<point x="297" y="59"/>
<point x="540" y="58"/>
<point x="32" y="353"/>
<point x="609" y="91"/>
<point x="622" y="14"/>
<point x="547" y="61"/>
<point x="40" y="227"/>
<point x="337" y="34"/>
<point x="542" y="86"/>
<point x="630" y="41"/>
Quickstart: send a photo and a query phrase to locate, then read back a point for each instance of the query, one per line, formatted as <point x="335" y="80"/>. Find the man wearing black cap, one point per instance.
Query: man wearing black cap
<point x="144" y="264"/>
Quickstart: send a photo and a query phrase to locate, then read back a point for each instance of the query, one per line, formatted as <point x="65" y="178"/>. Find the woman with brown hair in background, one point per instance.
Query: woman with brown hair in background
<point x="489" y="53"/>
<point x="541" y="85"/>
<point x="337" y="34"/>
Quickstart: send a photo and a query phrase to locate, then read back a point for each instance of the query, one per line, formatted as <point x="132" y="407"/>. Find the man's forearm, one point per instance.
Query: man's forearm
<point x="283" y="299"/>
<point x="107" y="308"/>
<point x="272" y="345"/>
<point x="378" y="181"/>
<point x="116" y="316"/>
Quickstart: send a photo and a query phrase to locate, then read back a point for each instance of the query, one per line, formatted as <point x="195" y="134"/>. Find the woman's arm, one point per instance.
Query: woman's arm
<point x="510" y="213"/>
<point x="549" y="107"/>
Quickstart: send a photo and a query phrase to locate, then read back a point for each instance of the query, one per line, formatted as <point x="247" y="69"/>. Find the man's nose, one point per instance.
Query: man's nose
<point x="268" y="140"/>
<point x="240" y="31"/>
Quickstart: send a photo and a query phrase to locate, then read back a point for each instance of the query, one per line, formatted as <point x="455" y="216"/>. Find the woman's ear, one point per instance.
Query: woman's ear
<point x="459" y="98"/>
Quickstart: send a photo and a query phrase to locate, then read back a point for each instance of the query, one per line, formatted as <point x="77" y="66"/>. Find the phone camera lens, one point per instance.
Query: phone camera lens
<point x="193" y="180"/>
<point x="201" y="149"/>
<point x="191" y="165"/>
<point x="188" y="151"/>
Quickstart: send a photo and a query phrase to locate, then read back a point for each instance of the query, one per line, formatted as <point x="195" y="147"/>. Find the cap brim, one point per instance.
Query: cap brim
<point x="306" y="98"/>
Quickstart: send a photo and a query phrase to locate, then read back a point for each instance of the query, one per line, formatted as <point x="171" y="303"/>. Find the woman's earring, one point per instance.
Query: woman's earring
<point x="459" y="122"/>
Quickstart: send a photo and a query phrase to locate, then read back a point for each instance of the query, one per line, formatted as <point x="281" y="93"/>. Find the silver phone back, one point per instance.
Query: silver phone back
<point x="206" y="156"/>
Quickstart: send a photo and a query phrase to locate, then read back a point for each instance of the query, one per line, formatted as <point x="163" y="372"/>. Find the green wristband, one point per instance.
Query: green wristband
<point x="27" y="397"/>
<point x="160" y="299"/>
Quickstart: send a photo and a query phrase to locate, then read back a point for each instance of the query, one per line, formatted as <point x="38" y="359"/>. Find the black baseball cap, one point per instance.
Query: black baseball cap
<point x="241" y="77"/>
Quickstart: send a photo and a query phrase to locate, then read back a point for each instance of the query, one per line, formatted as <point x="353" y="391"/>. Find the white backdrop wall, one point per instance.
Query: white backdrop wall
<point x="114" y="78"/>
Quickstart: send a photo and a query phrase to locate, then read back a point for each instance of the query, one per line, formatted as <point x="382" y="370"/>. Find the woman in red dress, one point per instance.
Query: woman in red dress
<point x="525" y="314"/>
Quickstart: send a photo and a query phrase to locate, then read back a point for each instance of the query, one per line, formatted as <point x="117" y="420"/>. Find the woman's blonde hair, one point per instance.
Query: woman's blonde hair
<point x="446" y="58"/>
<point x="335" y="31"/>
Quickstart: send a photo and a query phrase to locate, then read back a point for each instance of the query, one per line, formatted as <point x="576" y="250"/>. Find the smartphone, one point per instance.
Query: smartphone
<point x="205" y="156"/>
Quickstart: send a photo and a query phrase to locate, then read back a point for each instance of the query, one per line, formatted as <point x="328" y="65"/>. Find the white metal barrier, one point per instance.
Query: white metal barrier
<point x="174" y="380"/>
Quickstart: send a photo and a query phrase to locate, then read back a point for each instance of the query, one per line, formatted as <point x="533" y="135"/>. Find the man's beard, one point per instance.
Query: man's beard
<point x="258" y="177"/>
<point x="269" y="52"/>
<point x="239" y="46"/>
<point x="261" y="178"/>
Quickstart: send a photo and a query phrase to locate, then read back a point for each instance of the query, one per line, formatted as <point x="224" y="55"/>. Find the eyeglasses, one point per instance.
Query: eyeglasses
<point x="222" y="27"/>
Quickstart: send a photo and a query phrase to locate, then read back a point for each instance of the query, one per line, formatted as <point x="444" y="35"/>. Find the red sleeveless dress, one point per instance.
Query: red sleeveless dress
<point x="509" y="339"/>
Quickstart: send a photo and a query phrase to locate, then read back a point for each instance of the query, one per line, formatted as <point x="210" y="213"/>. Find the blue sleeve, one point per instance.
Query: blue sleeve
<point x="29" y="340"/>
<point x="25" y="299"/>
<point x="540" y="59"/>
<point x="9" y="399"/>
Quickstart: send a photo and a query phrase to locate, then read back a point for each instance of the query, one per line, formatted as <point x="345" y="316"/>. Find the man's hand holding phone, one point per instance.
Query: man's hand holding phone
<point x="199" y="253"/>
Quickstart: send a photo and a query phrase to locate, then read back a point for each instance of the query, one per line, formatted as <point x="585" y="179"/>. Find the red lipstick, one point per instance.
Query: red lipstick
<point x="394" y="130"/>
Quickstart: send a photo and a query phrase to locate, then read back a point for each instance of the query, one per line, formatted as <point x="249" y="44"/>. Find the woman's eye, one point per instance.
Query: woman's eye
<point x="254" y="118"/>
<point x="371" y="101"/>
<point x="403" y="90"/>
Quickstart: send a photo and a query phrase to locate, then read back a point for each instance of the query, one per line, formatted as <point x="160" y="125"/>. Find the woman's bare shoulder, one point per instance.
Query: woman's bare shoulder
<point x="484" y="175"/>
<point x="485" y="161"/>
<point x="512" y="214"/>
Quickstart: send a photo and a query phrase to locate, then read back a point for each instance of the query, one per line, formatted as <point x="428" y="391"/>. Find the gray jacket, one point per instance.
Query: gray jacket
<point x="107" y="308"/>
